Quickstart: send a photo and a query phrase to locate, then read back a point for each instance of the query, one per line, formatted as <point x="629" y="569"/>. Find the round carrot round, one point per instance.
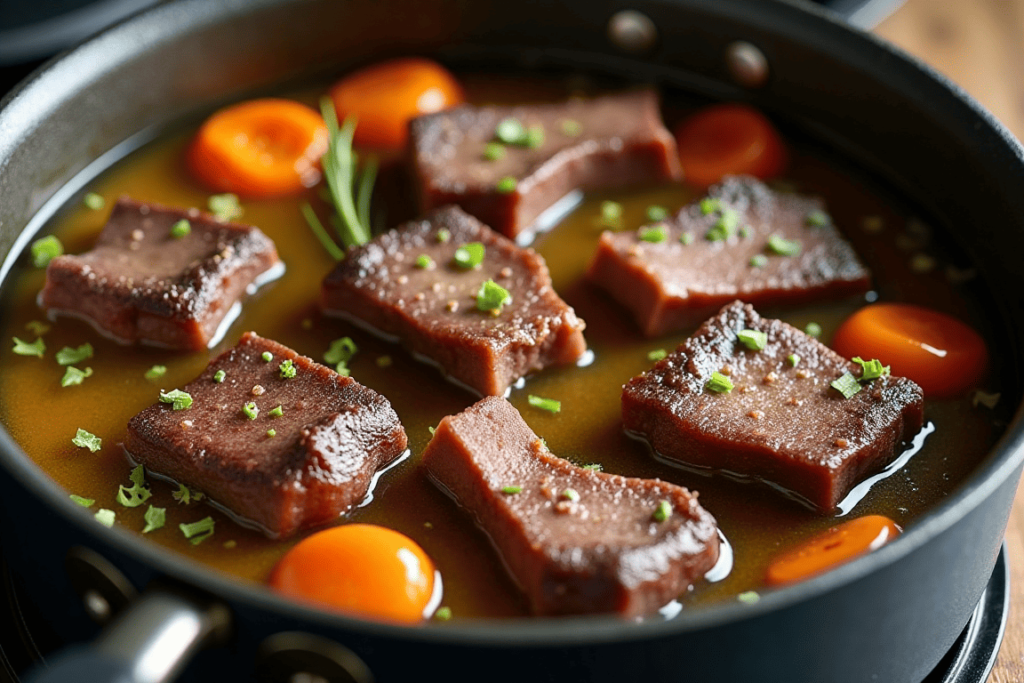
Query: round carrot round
<point x="832" y="548"/>
<point x="942" y="355"/>
<point x="386" y="96"/>
<point x="729" y="139"/>
<point x="261" y="148"/>
<point x="367" y="570"/>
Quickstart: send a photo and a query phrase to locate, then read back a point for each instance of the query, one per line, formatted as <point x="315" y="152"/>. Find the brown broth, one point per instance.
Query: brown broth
<point x="758" y="522"/>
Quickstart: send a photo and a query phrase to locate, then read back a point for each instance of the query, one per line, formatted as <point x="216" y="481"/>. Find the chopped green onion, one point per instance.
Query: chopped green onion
<point x="36" y="348"/>
<point x="84" y="502"/>
<point x="654" y="234"/>
<point x="847" y="385"/>
<point x="340" y="353"/>
<point x="507" y="185"/>
<point x="105" y="517"/>
<point x="155" y="518"/>
<point x="287" y="369"/>
<point x="724" y="227"/>
<point x="424" y="262"/>
<point x="755" y="340"/>
<point x="181" y="229"/>
<point x="749" y="597"/>
<point x="778" y="244"/>
<point x="443" y="235"/>
<point x="719" y="383"/>
<point x="492" y="296"/>
<point x="548" y="404"/>
<point x="267" y="356"/>
<point x="813" y="329"/>
<point x="656" y="213"/>
<point x="818" y="219"/>
<point x="94" y="201"/>
<point x="758" y="261"/>
<point x="197" y="532"/>
<point x="663" y="511"/>
<point x="512" y="490"/>
<point x="37" y="328"/>
<point x="44" y="250"/>
<point x="384" y="361"/>
<point x="657" y="354"/>
<point x="571" y="495"/>
<point x="494" y="151"/>
<point x="185" y="495"/>
<point x="84" y="439"/>
<point x="871" y="369"/>
<point x="156" y="372"/>
<point x="793" y="359"/>
<point x="510" y="131"/>
<point x="443" y="613"/>
<point x="219" y="376"/>
<point x="611" y="214"/>
<point x="224" y="207"/>
<point x="709" y="205"/>
<point x="686" y="238"/>
<point x="271" y="433"/>
<point x="250" y="410"/>
<point x="594" y="467"/>
<point x="534" y="136"/>
<point x="469" y="255"/>
<point x="70" y="356"/>
<point x="73" y="376"/>
<point x="137" y="494"/>
<point x="571" y="128"/>
<point x="276" y="412"/>
<point x="431" y="430"/>
<point x="179" y="400"/>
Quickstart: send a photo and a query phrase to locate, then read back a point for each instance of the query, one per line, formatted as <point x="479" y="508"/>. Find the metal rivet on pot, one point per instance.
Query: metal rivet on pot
<point x="103" y="589"/>
<point x="296" y="657"/>
<point x="746" y="64"/>
<point x="632" y="32"/>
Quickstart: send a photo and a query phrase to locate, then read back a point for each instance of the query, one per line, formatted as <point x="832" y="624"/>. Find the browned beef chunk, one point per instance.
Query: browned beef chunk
<point x="576" y="540"/>
<point x="142" y="284"/>
<point x="610" y="141"/>
<point x="727" y="247"/>
<point x="433" y="309"/>
<point x="782" y="422"/>
<point x="331" y="436"/>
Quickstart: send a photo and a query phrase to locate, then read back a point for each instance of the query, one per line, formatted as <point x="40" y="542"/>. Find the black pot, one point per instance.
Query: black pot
<point x="889" y="616"/>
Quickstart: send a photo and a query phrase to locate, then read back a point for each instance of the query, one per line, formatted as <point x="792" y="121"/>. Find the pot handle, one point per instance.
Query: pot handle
<point x="150" y="642"/>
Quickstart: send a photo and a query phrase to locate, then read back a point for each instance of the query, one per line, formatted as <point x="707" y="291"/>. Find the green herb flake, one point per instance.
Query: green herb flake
<point x="817" y="219"/>
<point x="179" y="400"/>
<point x="70" y="356"/>
<point x="709" y="205"/>
<point x="663" y="511"/>
<point x="594" y="467"/>
<point x="812" y="329"/>
<point x="656" y="213"/>
<point x="197" y="532"/>
<point x="84" y="502"/>
<point x="548" y="404"/>
<point x="777" y="244"/>
<point x="657" y="354"/>
<point x="686" y="238"/>
<point x="271" y="433"/>
<point x="84" y="439"/>
<point x="443" y="235"/>
<point x="94" y="201"/>
<point x="511" y="490"/>
<point x="507" y="185"/>
<point x="469" y="255"/>
<point x="745" y="232"/>
<point x="155" y="518"/>
<point x="431" y="430"/>
<point x="156" y="372"/>
<point x="493" y="151"/>
<point x="871" y="369"/>
<point x="224" y="207"/>
<point x="492" y="296"/>
<point x="36" y="348"/>
<point x="719" y="383"/>
<point x="185" y="495"/>
<point x="571" y="495"/>
<point x="340" y="353"/>
<point x="749" y="597"/>
<point x="287" y="369"/>
<point x="219" y="376"/>
<point x="267" y="356"/>
<point x="137" y="493"/>
<point x="250" y="410"/>
<point x="755" y="340"/>
<point x="847" y="385"/>
<point x="424" y="262"/>
<point x="181" y="229"/>
<point x="611" y="214"/>
<point x="44" y="250"/>
<point x="384" y="361"/>
<point x="654" y="234"/>
<point x="320" y="232"/>
<point x="510" y="131"/>
<point x="758" y="261"/>
<point x="276" y="412"/>
<point x="793" y="359"/>
<point x="724" y="227"/>
<point x="534" y="136"/>
<point x="105" y="517"/>
<point x="571" y="128"/>
<point x="37" y="327"/>
<point x="73" y="376"/>
<point x="443" y="613"/>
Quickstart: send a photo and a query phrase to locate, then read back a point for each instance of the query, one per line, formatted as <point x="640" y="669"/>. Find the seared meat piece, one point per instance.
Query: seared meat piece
<point x="405" y="283"/>
<point x="743" y="241"/>
<point x="141" y="283"/>
<point x="576" y="540"/>
<point x="329" y="437"/>
<point x="782" y="422"/>
<point x="605" y="142"/>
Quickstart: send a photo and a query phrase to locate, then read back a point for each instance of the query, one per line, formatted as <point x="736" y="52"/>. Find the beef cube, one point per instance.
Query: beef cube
<point x="575" y="540"/>
<point x="280" y="471"/>
<point x="606" y="142"/>
<point x="727" y="247"/>
<point x="141" y="283"/>
<point x="404" y="284"/>
<point x="782" y="422"/>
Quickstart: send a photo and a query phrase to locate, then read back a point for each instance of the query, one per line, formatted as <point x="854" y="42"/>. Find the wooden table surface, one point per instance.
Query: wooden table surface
<point x="979" y="44"/>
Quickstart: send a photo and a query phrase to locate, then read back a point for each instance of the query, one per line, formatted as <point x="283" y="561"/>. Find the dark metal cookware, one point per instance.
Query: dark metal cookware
<point x="887" y="617"/>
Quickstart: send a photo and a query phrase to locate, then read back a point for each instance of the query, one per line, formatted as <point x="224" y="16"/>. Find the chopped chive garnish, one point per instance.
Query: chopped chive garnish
<point x="793" y="359"/>
<point x="250" y="410"/>
<point x="185" y="495"/>
<point x="105" y="517"/>
<point x="656" y="213"/>
<point x="70" y="356"/>
<point x="507" y="185"/>
<point x="181" y="229"/>
<point x="179" y="400"/>
<point x="818" y="219"/>
<point x="492" y="296"/>
<point x="755" y="340"/>
<point x="155" y="518"/>
<point x="512" y="490"/>
<point x="271" y="433"/>
<point x="813" y="329"/>
<point x="709" y="205"/>
<point x="384" y="361"/>
<point x="654" y="234"/>
<point x="267" y="356"/>
<point x="219" y="376"/>
<point x="340" y="353"/>
<point x="287" y="369"/>
<point x="494" y="151"/>
<point x="534" y="136"/>
<point x="137" y="493"/>
<point x="94" y="201"/>
<point x="443" y="235"/>
<point x="84" y="439"/>
<point x="197" y="532"/>
<point x="657" y="354"/>
<point x="663" y="511"/>
<point x="84" y="502"/>
<point x="431" y="430"/>
<point x="224" y="207"/>
<point x="37" y="328"/>
<point x="778" y="244"/>
<point x="469" y="255"/>
<point x="36" y="348"/>
<point x="719" y="383"/>
<point x="156" y="372"/>
<point x="847" y="385"/>
<point x="73" y="376"/>
<point x="594" y="467"/>
<point x="44" y="250"/>
<point x="572" y="495"/>
<point x="276" y="412"/>
<point x="611" y="214"/>
<point x="548" y="404"/>
<point x="510" y="131"/>
<point x="749" y="597"/>
<point x="758" y="261"/>
<point x="571" y="128"/>
<point x="686" y="238"/>
<point x="424" y="262"/>
<point x="871" y="369"/>
<point x="443" y="613"/>
<point x="724" y="227"/>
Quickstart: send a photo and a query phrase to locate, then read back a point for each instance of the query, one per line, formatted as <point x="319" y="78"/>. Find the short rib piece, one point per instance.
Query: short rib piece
<point x="330" y="438"/>
<point x="726" y="247"/>
<point x="140" y="283"/>
<point x="782" y="422"/>
<point x="606" y="142"/>
<point x="575" y="540"/>
<point x="431" y="304"/>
